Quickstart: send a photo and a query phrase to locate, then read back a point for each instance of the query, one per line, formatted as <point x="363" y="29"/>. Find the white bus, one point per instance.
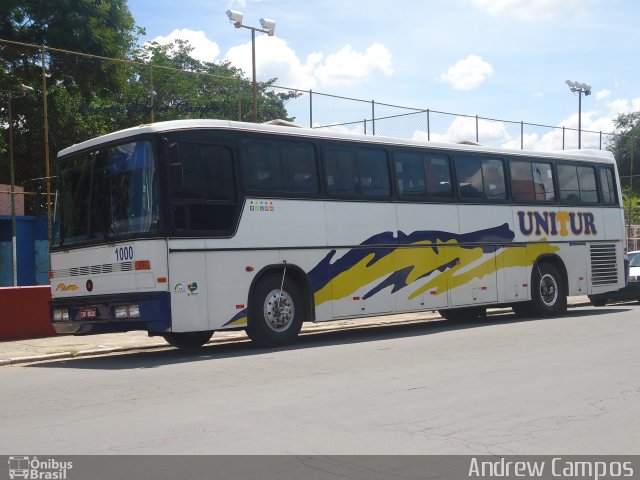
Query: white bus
<point x="186" y="227"/>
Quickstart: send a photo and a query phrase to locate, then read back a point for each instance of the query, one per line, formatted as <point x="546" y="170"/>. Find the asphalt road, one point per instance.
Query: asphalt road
<point x="565" y="385"/>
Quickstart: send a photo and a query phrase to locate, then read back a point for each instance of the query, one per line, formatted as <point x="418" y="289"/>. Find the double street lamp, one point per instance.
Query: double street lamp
<point x="24" y="89"/>
<point x="268" y="27"/>
<point x="580" y="88"/>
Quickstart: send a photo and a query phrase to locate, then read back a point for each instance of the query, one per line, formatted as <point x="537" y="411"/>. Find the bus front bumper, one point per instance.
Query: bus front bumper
<point x="111" y="313"/>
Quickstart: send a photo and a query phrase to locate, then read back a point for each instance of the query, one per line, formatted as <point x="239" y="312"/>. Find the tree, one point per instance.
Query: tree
<point x="631" y="203"/>
<point x="104" y="28"/>
<point x="90" y="96"/>
<point x="184" y="87"/>
<point x="626" y="149"/>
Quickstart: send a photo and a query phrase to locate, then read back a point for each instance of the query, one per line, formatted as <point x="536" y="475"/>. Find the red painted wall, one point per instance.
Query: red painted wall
<point x="24" y="313"/>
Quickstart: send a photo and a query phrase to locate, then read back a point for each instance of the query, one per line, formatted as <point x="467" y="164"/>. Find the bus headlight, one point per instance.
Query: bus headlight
<point x="134" y="311"/>
<point x="120" y="311"/>
<point x="60" y="315"/>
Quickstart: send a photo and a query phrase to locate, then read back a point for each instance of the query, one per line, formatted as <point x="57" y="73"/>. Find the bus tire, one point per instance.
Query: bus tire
<point x="548" y="295"/>
<point x="275" y="316"/>
<point x="598" y="301"/>
<point x="187" y="340"/>
<point x="464" y="313"/>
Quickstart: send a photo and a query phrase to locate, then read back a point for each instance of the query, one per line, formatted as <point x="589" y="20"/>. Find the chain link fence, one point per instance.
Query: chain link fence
<point x="73" y="96"/>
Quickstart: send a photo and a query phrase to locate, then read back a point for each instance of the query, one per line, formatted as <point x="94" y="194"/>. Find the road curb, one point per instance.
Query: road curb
<point x="221" y="340"/>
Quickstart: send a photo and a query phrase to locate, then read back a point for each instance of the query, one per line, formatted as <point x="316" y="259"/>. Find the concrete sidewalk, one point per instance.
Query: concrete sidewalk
<point x="64" y="346"/>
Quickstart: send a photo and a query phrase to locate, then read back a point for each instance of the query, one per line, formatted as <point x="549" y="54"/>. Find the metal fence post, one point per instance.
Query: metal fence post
<point x="428" y="127"/>
<point x="477" y="132"/>
<point x="521" y="135"/>
<point x="310" y="108"/>
<point x="365" y="126"/>
<point x="563" y="137"/>
<point x="373" y="117"/>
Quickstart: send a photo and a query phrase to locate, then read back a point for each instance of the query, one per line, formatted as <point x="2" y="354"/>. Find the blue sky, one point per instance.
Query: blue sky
<point x="505" y="59"/>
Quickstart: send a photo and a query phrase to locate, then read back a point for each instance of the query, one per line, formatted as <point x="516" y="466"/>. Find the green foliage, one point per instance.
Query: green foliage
<point x="87" y="97"/>
<point x="631" y="206"/>
<point x="626" y="148"/>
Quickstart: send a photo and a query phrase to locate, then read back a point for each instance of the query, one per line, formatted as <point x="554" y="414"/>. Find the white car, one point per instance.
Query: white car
<point x="630" y="292"/>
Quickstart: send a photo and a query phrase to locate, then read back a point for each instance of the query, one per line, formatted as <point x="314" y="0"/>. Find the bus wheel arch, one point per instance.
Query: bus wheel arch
<point x="549" y="286"/>
<point x="275" y="316"/>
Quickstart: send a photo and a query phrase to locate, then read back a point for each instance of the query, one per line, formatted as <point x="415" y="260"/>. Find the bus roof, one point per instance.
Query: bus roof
<point x="177" y="125"/>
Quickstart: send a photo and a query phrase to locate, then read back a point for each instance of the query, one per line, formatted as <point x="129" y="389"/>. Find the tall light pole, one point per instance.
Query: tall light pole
<point x="24" y="89"/>
<point x="580" y="88"/>
<point x="268" y="27"/>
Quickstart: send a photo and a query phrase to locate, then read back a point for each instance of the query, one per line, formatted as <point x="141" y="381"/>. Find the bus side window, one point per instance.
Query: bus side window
<point x="568" y="183"/>
<point x="300" y="173"/>
<point x="373" y="172"/>
<point x="438" y="175"/>
<point x="522" y="186"/>
<point x="340" y="171"/>
<point x="493" y="179"/>
<point x="543" y="182"/>
<point x="410" y="178"/>
<point x="607" y="186"/>
<point x="577" y="184"/>
<point x="469" y="172"/>
<point x="207" y="198"/>
<point x="587" y="179"/>
<point x="261" y="168"/>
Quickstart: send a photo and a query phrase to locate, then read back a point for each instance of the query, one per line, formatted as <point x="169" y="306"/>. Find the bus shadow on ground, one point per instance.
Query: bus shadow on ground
<point x="137" y="359"/>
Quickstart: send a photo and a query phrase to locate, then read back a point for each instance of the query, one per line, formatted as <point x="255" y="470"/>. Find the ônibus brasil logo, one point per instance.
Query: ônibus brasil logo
<point x="36" y="469"/>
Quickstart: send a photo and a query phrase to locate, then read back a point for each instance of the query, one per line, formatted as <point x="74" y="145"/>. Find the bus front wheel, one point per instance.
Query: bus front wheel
<point x="187" y="340"/>
<point x="548" y="295"/>
<point x="276" y="311"/>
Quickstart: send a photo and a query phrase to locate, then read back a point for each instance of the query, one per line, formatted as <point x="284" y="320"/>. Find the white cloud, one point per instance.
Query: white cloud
<point x="348" y="67"/>
<point x="275" y="59"/>
<point x="624" y="105"/>
<point x="602" y="94"/>
<point x="532" y="9"/>
<point x="204" y="49"/>
<point x="464" y="128"/>
<point x="468" y="73"/>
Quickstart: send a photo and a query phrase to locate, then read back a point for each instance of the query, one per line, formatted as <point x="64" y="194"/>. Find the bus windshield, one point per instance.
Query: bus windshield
<point x="106" y="194"/>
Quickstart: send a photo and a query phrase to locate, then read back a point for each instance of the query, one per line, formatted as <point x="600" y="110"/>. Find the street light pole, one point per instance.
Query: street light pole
<point x="268" y="27"/>
<point x="253" y="69"/>
<point x="580" y="88"/>
<point x="14" y="243"/>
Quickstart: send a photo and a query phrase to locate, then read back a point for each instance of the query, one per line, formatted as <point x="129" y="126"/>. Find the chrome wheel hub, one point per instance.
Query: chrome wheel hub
<point x="548" y="290"/>
<point x="278" y="310"/>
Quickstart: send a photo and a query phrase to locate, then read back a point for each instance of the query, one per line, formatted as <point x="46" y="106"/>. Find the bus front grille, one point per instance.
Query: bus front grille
<point x="604" y="263"/>
<point x="93" y="269"/>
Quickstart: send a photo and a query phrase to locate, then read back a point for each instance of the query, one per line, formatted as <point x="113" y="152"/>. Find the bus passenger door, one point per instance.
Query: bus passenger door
<point x="188" y="276"/>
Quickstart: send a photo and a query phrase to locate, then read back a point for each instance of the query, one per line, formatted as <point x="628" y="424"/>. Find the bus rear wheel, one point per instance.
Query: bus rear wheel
<point x="187" y="340"/>
<point x="276" y="311"/>
<point x="548" y="295"/>
<point x="465" y="313"/>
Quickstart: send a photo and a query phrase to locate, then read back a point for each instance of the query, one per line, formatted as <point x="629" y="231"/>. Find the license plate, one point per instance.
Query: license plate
<point x="88" y="313"/>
